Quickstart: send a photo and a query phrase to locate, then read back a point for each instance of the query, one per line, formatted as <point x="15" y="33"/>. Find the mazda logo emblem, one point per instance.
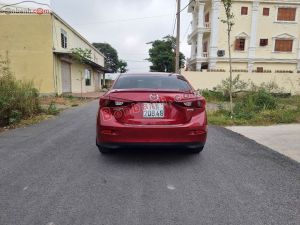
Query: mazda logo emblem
<point x="154" y="97"/>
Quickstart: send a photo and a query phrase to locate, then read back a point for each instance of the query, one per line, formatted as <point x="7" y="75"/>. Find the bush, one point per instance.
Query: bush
<point x="212" y="95"/>
<point x="237" y="85"/>
<point x="17" y="99"/>
<point x="253" y="103"/>
<point x="52" y="110"/>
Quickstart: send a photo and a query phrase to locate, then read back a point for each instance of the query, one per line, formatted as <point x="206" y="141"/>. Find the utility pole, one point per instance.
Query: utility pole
<point x="177" y="63"/>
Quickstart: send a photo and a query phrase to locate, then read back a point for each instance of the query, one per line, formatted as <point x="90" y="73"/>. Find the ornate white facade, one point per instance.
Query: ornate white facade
<point x="257" y="25"/>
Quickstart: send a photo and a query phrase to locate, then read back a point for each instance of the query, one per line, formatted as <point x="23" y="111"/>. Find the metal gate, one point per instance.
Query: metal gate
<point x="66" y="77"/>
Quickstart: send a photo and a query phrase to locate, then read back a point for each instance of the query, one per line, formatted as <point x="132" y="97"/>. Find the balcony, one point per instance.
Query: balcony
<point x="207" y="25"/>
<point x="204" y="29"/>
<point x="203" y="58"/>
<point x="205" y="54"/>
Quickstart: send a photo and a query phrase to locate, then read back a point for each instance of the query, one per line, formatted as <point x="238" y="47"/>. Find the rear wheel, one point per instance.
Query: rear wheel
<point x="196" y="150"/>
<point x="104" y="150"/>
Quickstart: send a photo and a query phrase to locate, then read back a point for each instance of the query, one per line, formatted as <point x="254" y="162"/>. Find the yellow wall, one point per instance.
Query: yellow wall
<point x="266" y="65"/>
<point x="209" y="80"/>
<point x="28" y="41"/>
<point x="74" y="41"/>
<point x="77" y="77"/>
<point x="242" y="24"/>
<point x="267" y="28"/>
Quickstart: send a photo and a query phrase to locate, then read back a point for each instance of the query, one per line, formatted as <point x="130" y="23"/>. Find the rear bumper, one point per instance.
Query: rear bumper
<point x="190" y="134"/>
<point x="150" y="134"/>
<point x="187" y="134"/>
<point x="114" y="146"/>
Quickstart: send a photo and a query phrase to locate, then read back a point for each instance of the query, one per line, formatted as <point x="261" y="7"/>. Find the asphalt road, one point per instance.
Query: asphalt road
<point x="52" y="174"/>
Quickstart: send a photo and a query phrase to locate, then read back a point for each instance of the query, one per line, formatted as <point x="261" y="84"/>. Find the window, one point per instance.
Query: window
<point x="244" y="11"/>
<point x="286" y="14"/>
<point x="240" y="44"/>
<point x="205" y="44"/>
<point x="283" y="45"/>
<point x="88" y="77"/>
<point x="263" y="42"/>
<point x="64" y="39"/>
<point x="206" y="17"/>
<point x="172" y="82"/>
<point x="266" y="11"/>
<point x="260" y="69"/>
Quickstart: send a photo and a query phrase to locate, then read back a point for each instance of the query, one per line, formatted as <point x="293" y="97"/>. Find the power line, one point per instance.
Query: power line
<point x="187" y="30"/>
<point x="174" y="26"/>
<point x="175" y="18"/>
<point x="129" y="60"/>
<point x="18" y="3"/>
<point x="127" y="20"/>
<point x="187" y="6"/>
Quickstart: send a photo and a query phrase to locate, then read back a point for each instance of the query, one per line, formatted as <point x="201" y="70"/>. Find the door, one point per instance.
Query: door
<point x="66" y="77"/>
<point x="97" y="86"/>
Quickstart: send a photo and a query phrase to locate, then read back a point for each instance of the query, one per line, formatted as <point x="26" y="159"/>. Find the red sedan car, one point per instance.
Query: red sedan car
<point x="156" y="109"/>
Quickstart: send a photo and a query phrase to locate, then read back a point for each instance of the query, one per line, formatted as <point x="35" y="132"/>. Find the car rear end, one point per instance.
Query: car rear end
<point x="153" y="110"/>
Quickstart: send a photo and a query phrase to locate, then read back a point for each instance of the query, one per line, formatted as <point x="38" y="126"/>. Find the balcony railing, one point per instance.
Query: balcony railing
<point x="207" y="25"/>
<point x="204" y="56"/>
<point x="205" y="28"/>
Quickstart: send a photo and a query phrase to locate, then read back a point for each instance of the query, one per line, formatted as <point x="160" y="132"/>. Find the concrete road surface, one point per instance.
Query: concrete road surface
<point x="52" y="174"/>
<point x="282" y="138"/>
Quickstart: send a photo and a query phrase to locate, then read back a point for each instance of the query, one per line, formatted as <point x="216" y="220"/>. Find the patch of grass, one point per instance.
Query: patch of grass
<point x="264" y="117"/>
<point x="27" y="121"/>
<point x="259" y="108"/>
<point x="251" y="104"/>
<point x="292" y="100"/>
<point x="52" y="110"/>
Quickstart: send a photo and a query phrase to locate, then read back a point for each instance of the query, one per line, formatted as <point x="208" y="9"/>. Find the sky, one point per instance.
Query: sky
<point x="125" y="24"/>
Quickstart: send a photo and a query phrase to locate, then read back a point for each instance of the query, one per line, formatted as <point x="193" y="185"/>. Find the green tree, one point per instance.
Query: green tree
<point x="122" y="65"/>
<point x="229" y="21"/>
<point x="162" y="55"/>
<point x="112" y="61"/>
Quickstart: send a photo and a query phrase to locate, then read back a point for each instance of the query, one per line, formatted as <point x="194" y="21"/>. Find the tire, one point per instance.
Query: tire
<point x="104" y="150"/>
<point x="196" y="150"/>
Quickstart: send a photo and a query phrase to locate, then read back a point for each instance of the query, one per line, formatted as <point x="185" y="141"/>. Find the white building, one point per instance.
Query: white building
<point x="265" y="37"/>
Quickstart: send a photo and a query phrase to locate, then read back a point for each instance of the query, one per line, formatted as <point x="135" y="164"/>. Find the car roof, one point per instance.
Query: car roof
<point x="150" y="74"/>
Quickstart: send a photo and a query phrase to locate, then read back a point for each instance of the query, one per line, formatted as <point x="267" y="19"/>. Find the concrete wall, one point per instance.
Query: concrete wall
<point x="208" y="80"/>
<point x="27" y="41"/>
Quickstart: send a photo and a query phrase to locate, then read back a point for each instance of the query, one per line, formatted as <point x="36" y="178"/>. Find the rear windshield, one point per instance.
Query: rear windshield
<point x="171" y="82"/>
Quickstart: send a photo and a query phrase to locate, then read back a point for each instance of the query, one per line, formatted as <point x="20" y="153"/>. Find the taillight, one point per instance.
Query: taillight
<point x="112" y="103"/>
<point x="193" y="104"/>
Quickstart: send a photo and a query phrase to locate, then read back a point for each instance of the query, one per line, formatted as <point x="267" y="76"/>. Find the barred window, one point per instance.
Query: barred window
<point x="240" y="44"/>
<point x="64" y="39"/>
<point x="263" y="42"/>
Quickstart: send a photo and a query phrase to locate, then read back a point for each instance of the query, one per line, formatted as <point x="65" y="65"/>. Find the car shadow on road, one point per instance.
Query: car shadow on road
<point x="147" y="155"/>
